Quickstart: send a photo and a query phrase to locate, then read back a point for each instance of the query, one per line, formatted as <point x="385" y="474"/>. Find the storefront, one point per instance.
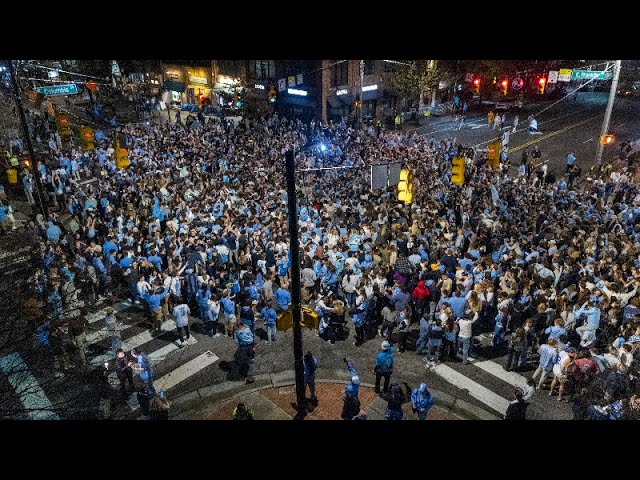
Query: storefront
<point x="369" y="102"/>
<point x="198" y="85"/>
<point x="340" y="105"/>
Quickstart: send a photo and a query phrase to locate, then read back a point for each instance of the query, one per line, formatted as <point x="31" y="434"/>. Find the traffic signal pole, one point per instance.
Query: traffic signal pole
<point x="607" y="114"/>
<point x="296" y="297"/>
<point x="25" y="129"/>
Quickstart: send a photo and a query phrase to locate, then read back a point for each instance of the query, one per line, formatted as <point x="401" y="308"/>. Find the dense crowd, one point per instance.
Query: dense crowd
<point x="198" y="224"/>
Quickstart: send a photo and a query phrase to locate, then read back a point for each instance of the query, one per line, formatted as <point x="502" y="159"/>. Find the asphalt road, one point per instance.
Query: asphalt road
<point x="569" y="125"/>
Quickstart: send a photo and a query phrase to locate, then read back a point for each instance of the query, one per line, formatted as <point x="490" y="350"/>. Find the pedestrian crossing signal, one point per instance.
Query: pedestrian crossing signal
<point x="405" y="186"/>
<point x="86" y="136"/>
<point x="493" y="153"/>
<point x="457" y="170"/>
<point x="272" y="95"/>
<point x="607" y="139"/>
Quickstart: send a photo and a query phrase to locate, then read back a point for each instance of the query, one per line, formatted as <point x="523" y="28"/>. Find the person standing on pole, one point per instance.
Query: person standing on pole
<point x="384" y="366"/>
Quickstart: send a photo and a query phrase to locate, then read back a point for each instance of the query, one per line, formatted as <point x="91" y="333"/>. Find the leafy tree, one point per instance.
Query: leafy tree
<point x="413" y="78"/>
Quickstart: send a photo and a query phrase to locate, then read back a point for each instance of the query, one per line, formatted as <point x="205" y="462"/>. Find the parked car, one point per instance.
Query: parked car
<point x="507" y="104"/>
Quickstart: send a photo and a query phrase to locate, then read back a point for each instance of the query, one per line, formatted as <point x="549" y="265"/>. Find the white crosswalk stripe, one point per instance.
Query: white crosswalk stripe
<point x="475" y="389"/>
<point x="497" y="370"/>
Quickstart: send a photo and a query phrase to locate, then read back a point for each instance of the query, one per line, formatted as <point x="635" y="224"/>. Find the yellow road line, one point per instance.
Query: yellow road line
<point x="552" y="134"/>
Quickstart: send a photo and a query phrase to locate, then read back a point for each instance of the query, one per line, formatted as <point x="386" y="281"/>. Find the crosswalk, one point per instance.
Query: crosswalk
<point x="485" y="380"/>
<point x="161" y="347"/>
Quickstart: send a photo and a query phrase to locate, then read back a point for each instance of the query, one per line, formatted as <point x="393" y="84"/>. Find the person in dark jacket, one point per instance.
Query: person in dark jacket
<point x="310" y="364"/>
<point x="351" y="407"/>
<point x="124" y="371"/>
<point x="394" y="403"/>
<point x="247" y="315"/>
<point x="144" y="395"/>
<point x="159" y="407"/>
<point x="517" y="409"/>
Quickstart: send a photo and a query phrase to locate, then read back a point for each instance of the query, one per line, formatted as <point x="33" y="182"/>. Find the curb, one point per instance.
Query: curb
<point x="193" y="405"/>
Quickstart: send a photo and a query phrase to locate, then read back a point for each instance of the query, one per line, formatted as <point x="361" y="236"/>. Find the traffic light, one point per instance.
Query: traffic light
<point x="405" y="186"/>
<point x="86" y="137"/>
<point x="607" y="139"/>
<point x="457" y="170"/>
<point x="476" y="85"/>
<point x="493" y="153"/>
<point x="64" y="129"/>
<point x="541" y="84"/>
<point x="272" y="95"/>
<point x="504" y="84"/>
<point x="122" y="154"/>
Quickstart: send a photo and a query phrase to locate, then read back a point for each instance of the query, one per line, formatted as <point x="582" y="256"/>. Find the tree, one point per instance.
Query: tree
<point x="414" y="77"/>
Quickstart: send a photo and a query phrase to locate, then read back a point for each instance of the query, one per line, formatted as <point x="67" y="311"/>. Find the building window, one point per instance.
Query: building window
<point x="339" y="73"/>
<point x="262" y="69"/>
<point x="369" y="67"/>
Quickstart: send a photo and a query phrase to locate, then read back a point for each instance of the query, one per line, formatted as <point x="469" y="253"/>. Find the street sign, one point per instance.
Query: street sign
<point x="56" y="90"/>
<point x="115" y="68"/>
<point x="53" y="74"/>
<point x="564" y="75"/>
<point x="468" y="77"/>
<point x="282" y="84"/>
<point x="552" y="77"/>
<point x="591" y="74"/>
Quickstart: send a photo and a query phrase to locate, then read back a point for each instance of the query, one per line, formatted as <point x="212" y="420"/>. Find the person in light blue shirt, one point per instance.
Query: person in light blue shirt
<point x="53" y="232"/>
<point x="353" y="387"/>
<point x="556" y="330"/>
<point x="283" y="297"/>
<point x="421" y="401"/>
<point x="548" y="356"/>
<point x="269" y="316"/>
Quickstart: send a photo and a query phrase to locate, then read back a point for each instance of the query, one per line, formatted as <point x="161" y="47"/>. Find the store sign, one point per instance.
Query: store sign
<point x="553" y="76"/>
<point x="299" y="79"/>
<point x="468" y="77"/>
<point x="258" y="86"/>
<point x="342" y="91"/>
<point x="292" y="81"/>
<point x="115" y="68"/>
<point x="369" y="88"/>
<point x="295" y="91"/>
<point x="200" y="80"/>
<point x="282" y="84"/>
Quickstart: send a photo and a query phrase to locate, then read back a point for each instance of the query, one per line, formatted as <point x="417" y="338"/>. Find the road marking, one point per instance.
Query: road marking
<point x="134" y="342"/>
<point x="587" y="141"/>
<point x="524" y="129"/>
<point x="98" y="335"/>
<point x="162" y="353"/>
<point x="497" y="370"/>
<point x="33" y="398"/>
<point x="184" y="371"/>
<point x="476" y="390"/>
<point x="100" y="314"/>
<point x="552" y="134"/>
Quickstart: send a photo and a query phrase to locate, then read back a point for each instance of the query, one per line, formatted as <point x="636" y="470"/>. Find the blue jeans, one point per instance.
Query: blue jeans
<point x="271" y="332"/>
<point x="350" y="298"/>
<point x="466" y="347"/>
<point x="431" y="345"/>
<point x="421" y="343"/>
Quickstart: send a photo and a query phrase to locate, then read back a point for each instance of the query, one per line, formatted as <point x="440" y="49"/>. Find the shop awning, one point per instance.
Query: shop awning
<point x="297" y="100"/>
<point x="370" y="95"/>
<point x="174" y="86"/>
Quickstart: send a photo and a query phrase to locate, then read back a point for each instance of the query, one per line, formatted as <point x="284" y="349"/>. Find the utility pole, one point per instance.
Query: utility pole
<point x="27" y="137"/>
<point x="361" y="92"/>
<point x="296" y="297"/>
<point x="607" y="114"/>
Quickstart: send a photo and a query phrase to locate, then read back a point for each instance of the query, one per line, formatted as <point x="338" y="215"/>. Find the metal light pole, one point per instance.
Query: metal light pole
<point x="296" y="297"/>
<point x="25" y="129"/>
<point x="607" y="114"/>
<point x="361" y="92"/>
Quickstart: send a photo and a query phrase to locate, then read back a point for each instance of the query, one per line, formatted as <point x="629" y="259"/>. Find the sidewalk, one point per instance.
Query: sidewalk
<point x="273" y="396"/>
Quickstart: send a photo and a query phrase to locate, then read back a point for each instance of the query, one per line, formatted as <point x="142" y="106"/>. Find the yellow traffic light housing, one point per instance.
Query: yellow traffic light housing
<point x="541" y="84"/>
<point x="607" y="139"/>
<point x="122" y="155"/>
<point x="493" y="153"/>
<point x="405" y="186"/>
<point x="457" y="170"/>
<point x="86" y="136"/>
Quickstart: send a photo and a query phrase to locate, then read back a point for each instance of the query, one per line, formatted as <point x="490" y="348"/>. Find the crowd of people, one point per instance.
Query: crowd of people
<point x="198" y="224"/>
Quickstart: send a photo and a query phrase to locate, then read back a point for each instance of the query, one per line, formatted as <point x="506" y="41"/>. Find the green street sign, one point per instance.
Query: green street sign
<point x="591" y="74"/>
<point x="55" y="90"/>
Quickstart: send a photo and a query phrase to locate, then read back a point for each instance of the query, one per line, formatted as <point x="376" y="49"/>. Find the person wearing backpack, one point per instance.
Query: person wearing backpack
<point x="310" y="364"/>
<point x="394" y="403"/>
<point x="384" y="366"/>
<point x="435" y="334"/>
